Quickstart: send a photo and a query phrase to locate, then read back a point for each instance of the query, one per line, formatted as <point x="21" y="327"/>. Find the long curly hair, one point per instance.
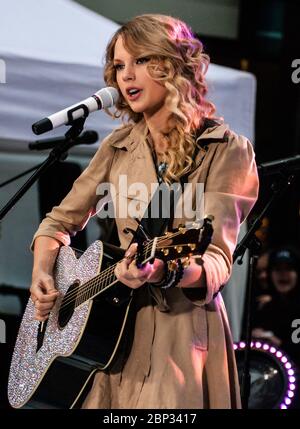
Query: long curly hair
<point x="178" y="62"/>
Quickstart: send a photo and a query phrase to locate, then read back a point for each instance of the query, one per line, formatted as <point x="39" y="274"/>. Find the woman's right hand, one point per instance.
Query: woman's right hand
<point x="43" y="294"/>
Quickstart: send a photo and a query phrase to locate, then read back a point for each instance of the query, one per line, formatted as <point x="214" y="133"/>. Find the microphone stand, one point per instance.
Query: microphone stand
<point x="59" y="153"/>
<point x="251" y="242"/>
<point x="87" y="137"/>
<point x="7" y="182"/>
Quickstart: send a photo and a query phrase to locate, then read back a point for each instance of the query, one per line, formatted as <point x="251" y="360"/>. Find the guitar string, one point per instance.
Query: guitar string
<point x="92" y="283"/>
<point x="92" y="290"/>
<point x="87" y="287"/>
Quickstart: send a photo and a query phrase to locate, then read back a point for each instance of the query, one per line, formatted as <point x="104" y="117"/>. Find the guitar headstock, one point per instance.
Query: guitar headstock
<point x="185" y="241"/>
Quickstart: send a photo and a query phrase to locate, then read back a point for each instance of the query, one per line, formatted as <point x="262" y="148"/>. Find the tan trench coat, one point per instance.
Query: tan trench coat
<point x="182" y="354"/>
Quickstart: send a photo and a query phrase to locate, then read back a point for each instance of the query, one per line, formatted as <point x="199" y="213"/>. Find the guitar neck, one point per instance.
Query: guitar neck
<point x="184" y="242"/>
<point x="107" y="278"/>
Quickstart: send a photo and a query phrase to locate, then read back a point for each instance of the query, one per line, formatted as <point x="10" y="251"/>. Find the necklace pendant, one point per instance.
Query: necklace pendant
<point x="161" y="170"/>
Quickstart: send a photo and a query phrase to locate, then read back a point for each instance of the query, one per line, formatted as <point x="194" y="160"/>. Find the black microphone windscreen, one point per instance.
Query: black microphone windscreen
<point x="88" y="137"/>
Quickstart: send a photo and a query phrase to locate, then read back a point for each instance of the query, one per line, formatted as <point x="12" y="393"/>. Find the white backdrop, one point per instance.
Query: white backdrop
<point x="53" y="52"/>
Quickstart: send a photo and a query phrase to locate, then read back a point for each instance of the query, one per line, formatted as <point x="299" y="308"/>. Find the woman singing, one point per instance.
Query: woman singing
<point x="181" y="354"/>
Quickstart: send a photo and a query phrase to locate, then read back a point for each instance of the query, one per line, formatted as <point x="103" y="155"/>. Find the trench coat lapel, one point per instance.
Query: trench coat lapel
<point x="140" y="168"/>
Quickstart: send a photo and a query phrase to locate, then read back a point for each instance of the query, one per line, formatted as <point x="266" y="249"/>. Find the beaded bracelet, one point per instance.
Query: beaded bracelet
<point x="171" y="277"/>
<point x="167" y="277"/>
<point x="179" y="272"/>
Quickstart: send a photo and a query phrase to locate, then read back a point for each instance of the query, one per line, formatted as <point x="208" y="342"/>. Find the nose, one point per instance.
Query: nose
<point x="129" y="73"/>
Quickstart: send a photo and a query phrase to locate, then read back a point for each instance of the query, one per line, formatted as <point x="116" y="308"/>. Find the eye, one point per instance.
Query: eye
<point x="142" y="60"/>
<point x="118" y="66"/>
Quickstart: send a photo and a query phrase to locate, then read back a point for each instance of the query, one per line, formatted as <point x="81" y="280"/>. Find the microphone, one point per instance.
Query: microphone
<point x="102" y="99"/>
<point x="280" y="165"/>
<point x="88" y="137"/>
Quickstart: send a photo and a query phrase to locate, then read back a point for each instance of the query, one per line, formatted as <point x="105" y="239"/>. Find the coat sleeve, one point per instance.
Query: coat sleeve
<point x="76" y="208"/>
<point x="231" y="190"/>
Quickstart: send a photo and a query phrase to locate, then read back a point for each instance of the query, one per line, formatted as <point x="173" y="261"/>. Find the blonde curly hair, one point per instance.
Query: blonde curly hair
<point x="178" y="62"/>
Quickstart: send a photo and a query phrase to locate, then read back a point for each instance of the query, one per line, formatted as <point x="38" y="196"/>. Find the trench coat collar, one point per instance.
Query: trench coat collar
<point x="129" y="136"/>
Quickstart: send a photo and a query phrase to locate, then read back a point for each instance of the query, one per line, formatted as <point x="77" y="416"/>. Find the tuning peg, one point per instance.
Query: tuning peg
<point x="182" y="228"/>
<point x="192" y="246"/>
<point x="178" y="249"/>
<point x="186" y="262"/>
<point x="166" y="252"/>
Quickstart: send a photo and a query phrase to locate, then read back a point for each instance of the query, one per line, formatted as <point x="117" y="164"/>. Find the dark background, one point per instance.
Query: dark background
<point x="268" y="42"/>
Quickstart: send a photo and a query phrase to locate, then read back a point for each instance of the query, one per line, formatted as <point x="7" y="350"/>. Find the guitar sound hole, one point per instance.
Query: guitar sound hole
<point x="67" y="306"/>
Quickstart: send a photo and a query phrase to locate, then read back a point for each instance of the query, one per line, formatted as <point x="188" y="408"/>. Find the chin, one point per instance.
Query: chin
<point x="136" y="109"/>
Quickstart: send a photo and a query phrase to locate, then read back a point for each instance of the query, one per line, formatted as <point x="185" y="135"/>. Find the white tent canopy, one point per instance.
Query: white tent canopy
<point x="53" y="52"/>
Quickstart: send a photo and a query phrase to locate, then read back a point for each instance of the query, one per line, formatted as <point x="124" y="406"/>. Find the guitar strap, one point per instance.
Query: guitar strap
<point x="155" y="226"/>
<point x="159" y="214"/>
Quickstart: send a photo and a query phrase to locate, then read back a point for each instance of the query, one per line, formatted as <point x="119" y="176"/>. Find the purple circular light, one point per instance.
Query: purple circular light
<point x="287" y="367"/>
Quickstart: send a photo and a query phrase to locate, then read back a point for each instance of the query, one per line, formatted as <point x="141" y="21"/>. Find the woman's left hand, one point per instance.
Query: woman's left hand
<point x="128" y="273"/>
